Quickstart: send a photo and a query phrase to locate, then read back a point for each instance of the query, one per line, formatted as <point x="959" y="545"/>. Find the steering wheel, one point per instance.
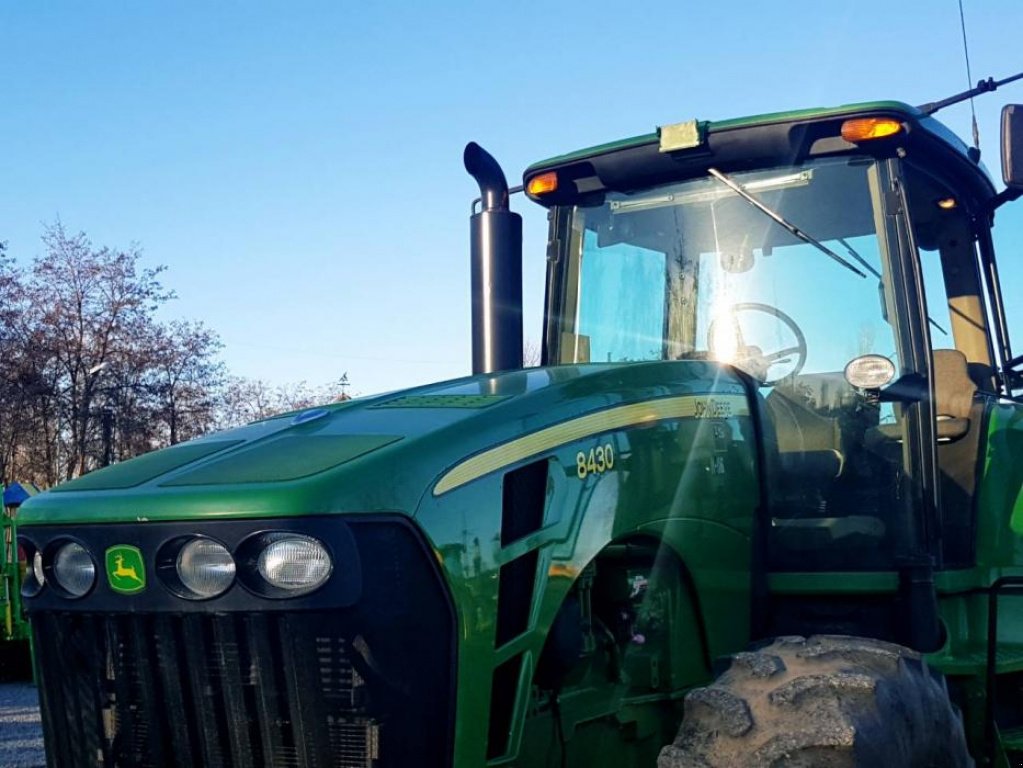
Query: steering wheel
<point x="752" y="358"/>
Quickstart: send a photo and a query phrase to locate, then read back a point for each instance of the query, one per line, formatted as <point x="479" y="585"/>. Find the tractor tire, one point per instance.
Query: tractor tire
<point x="840" y="702"/>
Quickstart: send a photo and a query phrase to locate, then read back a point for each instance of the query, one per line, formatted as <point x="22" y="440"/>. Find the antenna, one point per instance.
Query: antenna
<point x="969" y="76"/>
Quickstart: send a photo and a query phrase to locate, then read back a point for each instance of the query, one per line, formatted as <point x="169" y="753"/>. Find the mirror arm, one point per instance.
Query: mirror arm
<point x="1005" y="196"/>
<point x="1010" y="364"/>
<point x="910" y="388"/>
<point x="983" y="86"/>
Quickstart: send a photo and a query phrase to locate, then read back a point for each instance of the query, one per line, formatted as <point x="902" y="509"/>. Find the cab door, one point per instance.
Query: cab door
<point x="947" y="231"/>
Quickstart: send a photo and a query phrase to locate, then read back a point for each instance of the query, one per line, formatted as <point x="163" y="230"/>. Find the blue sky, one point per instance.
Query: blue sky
<point x="297" y="166"/>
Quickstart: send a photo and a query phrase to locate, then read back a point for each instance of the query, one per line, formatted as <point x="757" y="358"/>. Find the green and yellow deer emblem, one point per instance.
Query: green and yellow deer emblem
<point x="126" y="573"/>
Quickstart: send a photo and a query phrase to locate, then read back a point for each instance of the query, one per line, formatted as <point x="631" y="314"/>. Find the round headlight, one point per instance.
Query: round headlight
<point x="869" y="371"/>
<point x="297" y="564"/>
<point x="37" y="567"/>
<point x="30" y="569"/>
<point x="205" y="567"/>
<point x="73" y="569"/>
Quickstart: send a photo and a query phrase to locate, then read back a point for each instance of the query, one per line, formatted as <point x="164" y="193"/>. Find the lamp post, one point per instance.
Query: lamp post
<point x="90" y="374"/>
<point x="108" y="433"/>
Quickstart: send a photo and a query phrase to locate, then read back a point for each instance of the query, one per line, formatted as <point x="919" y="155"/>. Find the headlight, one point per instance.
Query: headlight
<point x="293" y="563"/>
<point x="30" y="568"/>
<point x="37" y="568"/>
<point x="73" y="569"/>
<point x="205" y="567"/>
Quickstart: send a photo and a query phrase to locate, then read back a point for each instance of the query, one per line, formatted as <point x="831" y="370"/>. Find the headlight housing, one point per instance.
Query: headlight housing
<point x="196" y="567"/>
<point x="30" y="568"/>
<point x="285" y="564"/>
<point x="205" y="568"/>
<point x="37" y="568"/>
<point x="73" y="569"/>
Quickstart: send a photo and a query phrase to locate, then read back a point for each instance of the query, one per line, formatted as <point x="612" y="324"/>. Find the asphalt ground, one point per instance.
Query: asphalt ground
<point x="21" y="732"/>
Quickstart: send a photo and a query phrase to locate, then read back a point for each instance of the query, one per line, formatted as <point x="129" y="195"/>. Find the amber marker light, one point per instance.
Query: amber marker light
<point x="868" y="128"/>
<point x="947" y="203"/>
<point x="543" y="184"/>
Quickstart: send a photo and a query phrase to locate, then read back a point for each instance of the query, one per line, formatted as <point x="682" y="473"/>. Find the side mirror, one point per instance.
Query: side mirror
<point x="1012" y="146"/>
<point x="908" y="388"/>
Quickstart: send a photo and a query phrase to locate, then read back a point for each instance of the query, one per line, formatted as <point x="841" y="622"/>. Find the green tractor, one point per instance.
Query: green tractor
<point x="774" y="426"/>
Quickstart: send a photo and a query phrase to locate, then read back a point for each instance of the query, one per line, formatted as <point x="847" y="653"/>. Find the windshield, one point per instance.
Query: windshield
<point x="789" y="286"/>
<point x="693" y="270"/>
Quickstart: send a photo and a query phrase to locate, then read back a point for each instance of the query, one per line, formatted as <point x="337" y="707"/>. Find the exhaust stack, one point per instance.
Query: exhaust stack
<point x="495" y="253"/>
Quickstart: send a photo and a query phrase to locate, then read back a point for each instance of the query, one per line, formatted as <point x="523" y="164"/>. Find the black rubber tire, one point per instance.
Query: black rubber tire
<point x="840" y="702"/>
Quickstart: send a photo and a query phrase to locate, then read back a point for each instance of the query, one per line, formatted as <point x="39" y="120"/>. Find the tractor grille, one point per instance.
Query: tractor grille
<point x="340" y="688"/>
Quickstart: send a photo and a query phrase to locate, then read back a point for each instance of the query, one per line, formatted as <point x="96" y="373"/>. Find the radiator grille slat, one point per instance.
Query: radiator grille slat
<point x="232" y="661"/>
<point x="151" y="737"/>
<point x="89" y="698"/>
<point x="305" y="748"/>
<point x="268" y="704"/>
<point x="83" y="652"/>
<point x="204" y="688"/>
<point x="134" y="706"/>
<point x="169" y="667"/>
<point x="53" y="716"/>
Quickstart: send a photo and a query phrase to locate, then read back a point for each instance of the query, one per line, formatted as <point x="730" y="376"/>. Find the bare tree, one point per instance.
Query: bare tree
<point x="247" y="400"/>
<point x="88" y="306"/>
<point x="186" y="375"/>
<point x="530" y="353"/>
<point x="90" y="376"/>
<point x="10" y="362"/>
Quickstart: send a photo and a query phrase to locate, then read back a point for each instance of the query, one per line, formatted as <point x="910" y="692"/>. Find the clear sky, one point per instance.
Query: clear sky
<point x="297" y="165"/>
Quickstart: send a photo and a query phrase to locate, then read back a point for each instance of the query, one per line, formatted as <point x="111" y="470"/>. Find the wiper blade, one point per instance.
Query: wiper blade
<point x="738" y="189"/>
<point x="866" y="265"/>
<point x="933" y="322"/>
<point x="863" y="262"/>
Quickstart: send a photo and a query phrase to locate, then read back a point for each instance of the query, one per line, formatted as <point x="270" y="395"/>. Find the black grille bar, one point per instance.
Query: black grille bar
<point x="268" y="710"/>
<point x="166" y="648"/>
<point x="208" y="717"/>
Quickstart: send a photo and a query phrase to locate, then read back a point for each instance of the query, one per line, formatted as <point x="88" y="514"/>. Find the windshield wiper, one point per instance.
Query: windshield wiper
<point x="875" y="273"/>
<point x="863" y="262"/>
<point x="738" y="189"/>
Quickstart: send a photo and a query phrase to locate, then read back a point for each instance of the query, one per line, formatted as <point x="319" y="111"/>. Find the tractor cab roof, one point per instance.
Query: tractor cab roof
<point x="778" y="138"/>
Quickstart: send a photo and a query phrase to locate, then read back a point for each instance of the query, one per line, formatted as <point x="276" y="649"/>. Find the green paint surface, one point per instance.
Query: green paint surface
<point x="999" y="553"/>
<point x="137" y="471"/>
<point x="290" y="457"/>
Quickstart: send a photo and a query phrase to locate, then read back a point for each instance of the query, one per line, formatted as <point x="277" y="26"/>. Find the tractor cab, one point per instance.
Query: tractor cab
<point x="842" y="261"/>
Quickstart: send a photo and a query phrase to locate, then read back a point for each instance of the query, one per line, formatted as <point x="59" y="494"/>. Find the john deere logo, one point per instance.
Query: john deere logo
<point x="125" y="569"/>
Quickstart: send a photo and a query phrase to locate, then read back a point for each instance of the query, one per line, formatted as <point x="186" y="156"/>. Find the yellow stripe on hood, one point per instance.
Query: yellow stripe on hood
<point x="634" y="414"/>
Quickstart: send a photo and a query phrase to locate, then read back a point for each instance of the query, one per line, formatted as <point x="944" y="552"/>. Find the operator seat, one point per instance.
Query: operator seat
<point x="953" y="394"/>
<point x="809" y="443"/>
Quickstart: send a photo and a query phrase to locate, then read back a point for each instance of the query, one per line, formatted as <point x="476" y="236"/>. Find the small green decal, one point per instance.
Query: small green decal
<point x="126" y="572"/>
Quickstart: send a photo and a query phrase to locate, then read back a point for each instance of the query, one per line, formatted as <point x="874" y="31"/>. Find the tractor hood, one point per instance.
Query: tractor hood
<point x="383" y="453"/>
